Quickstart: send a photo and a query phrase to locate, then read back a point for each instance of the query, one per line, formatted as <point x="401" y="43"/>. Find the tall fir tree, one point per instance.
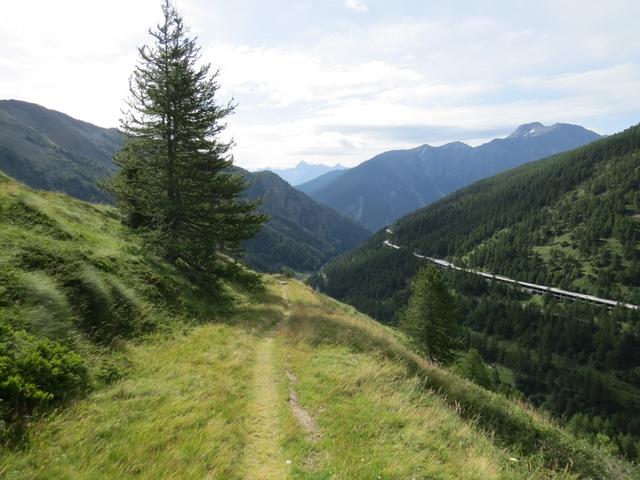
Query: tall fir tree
<point x="175" y="183"/>
<point x="430" y="316"/>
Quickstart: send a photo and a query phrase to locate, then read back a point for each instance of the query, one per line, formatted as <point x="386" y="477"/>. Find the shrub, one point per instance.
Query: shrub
<point x="288" y="272"/>
<point x="35" y="373"/>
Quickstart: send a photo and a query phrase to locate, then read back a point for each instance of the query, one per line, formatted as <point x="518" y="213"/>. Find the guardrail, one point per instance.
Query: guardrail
<point x="525" y="286"/>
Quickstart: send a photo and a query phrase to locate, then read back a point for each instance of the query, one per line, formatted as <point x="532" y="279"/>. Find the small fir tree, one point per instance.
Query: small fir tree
<point x="472" y="366"/>
<point x="430" y="316"/>
<point x="175" y="183"/>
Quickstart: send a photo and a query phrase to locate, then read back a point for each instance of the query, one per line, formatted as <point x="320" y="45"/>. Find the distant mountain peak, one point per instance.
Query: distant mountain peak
<point x="456" y="145"/>
<point x="536" y="129"/>
<point x="529" y="129"/>
<point x="304" y="172"/>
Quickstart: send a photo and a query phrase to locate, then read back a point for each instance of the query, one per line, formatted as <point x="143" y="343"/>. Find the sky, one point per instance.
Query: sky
<point x="339" y="81"/>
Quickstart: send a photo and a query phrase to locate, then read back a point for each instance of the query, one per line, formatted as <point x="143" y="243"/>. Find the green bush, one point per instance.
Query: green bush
<point x="35" y="373"/>
<point x="288" y="272"/>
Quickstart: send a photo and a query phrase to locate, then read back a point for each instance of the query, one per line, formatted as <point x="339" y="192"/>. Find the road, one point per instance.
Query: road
<point x="526" y="286"/>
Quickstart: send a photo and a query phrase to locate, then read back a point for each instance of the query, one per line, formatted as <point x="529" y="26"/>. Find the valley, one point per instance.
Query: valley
<point x="348" y="240"/>
<point x="545" y="223"/>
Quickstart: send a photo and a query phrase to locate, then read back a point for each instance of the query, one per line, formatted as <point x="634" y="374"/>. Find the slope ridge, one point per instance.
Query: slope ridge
<point x="50" y="150"/>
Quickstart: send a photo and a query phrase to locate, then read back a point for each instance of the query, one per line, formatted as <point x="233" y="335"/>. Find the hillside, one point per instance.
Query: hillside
<point x="381" y="190"/>
<point x="52" y="151"/>
<point x="301" y="233"/>
<point x="320" y="182"/>
<point x="227" y="383"/>
<point x="304" y="172"/>
<point x="549" y="221"/>
<point x="569" y="221"/>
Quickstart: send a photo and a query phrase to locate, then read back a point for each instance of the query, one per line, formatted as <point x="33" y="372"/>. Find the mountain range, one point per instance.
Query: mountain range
<point x="301" y="233"/>
<point x="52" y="151"/>
<point x="49" y="150"/>
<point x="381" y="190"/>
<point x="577" y="205"/>
<point x="304" y="172"/>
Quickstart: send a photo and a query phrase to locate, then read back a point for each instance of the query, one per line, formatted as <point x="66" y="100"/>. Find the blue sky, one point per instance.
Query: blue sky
<point x="342" y="80"/>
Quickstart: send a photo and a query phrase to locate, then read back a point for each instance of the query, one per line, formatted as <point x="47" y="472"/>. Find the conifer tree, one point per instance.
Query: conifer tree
<point x="175" y="183"/>
<point x="430" y="316"/>
<point x="472" y="366"/>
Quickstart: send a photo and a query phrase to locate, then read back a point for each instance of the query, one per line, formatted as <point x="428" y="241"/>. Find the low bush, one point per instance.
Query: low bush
<point x="35" y="373"/>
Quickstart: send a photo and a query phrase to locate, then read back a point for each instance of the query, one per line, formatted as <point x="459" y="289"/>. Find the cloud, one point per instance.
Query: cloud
<point x="286" y="76"/>
<point x="315" y="82"/>
<point x="356" y="5"/>
<point x="297" y="104"/>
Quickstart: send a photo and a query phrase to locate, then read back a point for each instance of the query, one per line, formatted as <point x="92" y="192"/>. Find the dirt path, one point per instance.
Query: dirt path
<point x="264" y="458"/>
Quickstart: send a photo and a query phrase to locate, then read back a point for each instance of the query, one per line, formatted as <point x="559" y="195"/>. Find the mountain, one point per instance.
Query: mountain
<point x="577" y="204"/>
<point x="125" y="367"/>
<point x="50" y="150"/>
<point x="303" y="172"/>
<point x="301" y="233"/>
<point x="571" y="221"/>
<point x="318" y="183"/>
<point x="392" y="184"/>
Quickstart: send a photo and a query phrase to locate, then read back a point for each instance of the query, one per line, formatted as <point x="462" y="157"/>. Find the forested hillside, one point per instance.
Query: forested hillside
<point x="570" y="221"/>
<point x="301" y="233"/>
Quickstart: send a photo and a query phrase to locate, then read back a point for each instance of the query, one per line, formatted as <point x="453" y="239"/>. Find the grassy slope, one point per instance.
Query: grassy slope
<point x="193" y="405"/>
<point x="73" y="281"/>
<point x="216" y="391"/>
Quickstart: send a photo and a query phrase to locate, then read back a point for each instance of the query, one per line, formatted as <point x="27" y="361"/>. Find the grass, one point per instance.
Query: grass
<point x="187" y="384"/>
<point x="212" y="401"/>
<point x="526" y="433"/>
<point x="180" y="413"/>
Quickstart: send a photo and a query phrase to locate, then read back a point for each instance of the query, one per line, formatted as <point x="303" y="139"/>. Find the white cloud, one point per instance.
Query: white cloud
<point x="284" y="77"/>
<point x="315" y="83"/>
<point x="314" y="109"/>
<point x="356" y="5"/>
